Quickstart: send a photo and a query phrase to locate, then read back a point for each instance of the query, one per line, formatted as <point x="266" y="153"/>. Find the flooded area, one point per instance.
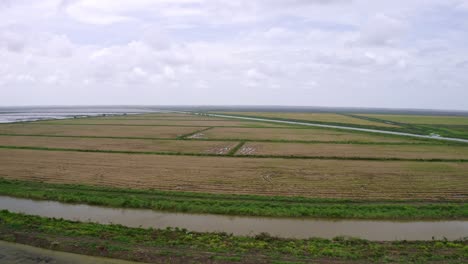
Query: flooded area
<point x="243" y="225"/>
<point x="27" y="114"/>
<point x="17" y="253"/>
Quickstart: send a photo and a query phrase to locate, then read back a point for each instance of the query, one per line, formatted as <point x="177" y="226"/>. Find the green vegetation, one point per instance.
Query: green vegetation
<point x="421" y="119"/>
<point x="291" y="117"/>
<point x="233" y="204"/>
<point x="324" y="118"/>
<point x="175" y="245"/>
<point x="419" y="142"/>
<point x="234" y="150"/>
<point x="446" y="126"/>
<point x="455" y="127"/>
<point x="193" y="133"/>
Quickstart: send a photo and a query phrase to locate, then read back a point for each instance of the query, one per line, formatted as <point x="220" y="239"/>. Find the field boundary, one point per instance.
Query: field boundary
<point x="255" y="205"/>
<point x="228" y="155"/>
<point x="423" y="143"/>
<point x="236" y="148"/>
<point x="183" y="137"/>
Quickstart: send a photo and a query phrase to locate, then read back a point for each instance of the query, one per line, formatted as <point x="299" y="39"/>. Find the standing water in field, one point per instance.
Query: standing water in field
<point x="243" y="225"/>
<point x="23" y="114"/>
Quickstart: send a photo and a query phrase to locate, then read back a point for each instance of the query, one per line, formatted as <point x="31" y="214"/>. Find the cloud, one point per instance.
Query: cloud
<point x="462" y="64"/>
<point x="23" y="40"/>
<point x="11" y="41"/>
<point x="383" y="30"/>
<point x="462" y="4"/>
<point x="300" y="52"/>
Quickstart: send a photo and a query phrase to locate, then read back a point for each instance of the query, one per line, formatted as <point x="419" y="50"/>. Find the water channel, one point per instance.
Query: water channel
<point x="244" y="225"/>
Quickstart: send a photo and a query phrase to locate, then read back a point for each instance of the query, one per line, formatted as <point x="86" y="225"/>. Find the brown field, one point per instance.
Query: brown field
<point x="83" y="130"/>
<point x="350" y="150"/>
<point x="311" y="178"/>
<point x="143" y="145"/>
<point x="207" y="123"/>
<point x="318" y="117"/>
<point x="313" y="134"/>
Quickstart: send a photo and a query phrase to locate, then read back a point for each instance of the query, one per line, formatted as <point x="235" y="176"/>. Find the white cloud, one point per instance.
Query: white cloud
<point x="11" y="41"/>
<point x="463" y="4"/>
<point x="169" y="72"/>
<point x="139" y="72"/>
<point x="383" y="30"/>
<point x="300" y="52"/>
<point x="255" y="74"/>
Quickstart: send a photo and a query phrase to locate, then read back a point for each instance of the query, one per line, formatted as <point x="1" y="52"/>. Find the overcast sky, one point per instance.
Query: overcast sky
<point x="397" y="54"/>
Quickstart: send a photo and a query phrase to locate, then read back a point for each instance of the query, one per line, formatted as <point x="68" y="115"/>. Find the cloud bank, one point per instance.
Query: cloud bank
<point x="410" y="54"/>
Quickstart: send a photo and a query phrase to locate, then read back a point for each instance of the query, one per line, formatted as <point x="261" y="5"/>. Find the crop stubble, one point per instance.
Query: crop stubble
<point x="355" y="150"/>
<point x="287" y="177"/>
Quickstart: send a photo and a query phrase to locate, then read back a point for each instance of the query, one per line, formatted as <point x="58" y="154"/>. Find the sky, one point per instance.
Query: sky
<point x="348" y="53"/>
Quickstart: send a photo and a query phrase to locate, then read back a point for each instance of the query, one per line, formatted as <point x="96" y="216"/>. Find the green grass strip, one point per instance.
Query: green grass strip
<point x="250" y="205"/>
<point x="151" y="245"/>
<point x="194" y="133"/>
<point x="253" y="140"/>
<point x="234" y="150"/>
<point x="230" y="155"/>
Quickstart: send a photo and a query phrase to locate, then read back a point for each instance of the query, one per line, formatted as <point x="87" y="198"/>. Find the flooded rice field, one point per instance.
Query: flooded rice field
<point x="243" y="225"/>
<point x="25" y="114"/>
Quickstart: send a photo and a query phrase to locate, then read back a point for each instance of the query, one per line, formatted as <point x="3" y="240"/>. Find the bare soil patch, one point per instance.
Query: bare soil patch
<point x="248" y="149"/>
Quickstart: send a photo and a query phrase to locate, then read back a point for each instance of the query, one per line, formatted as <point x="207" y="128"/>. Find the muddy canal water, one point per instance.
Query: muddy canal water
<point x="243" y="225"/>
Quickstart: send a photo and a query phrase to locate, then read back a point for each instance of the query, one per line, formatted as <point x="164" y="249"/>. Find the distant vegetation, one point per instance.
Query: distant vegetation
<point x="448" y="126"/>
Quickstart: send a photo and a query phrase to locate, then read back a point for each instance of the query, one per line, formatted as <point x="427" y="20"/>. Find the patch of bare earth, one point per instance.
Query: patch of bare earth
<point x="197" y="136"/>
<point x="247" y="150"/>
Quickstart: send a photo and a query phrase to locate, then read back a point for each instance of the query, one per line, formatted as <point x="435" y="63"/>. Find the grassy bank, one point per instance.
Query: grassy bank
<point x="234" y="204"/>
<point x="181" y="246"/>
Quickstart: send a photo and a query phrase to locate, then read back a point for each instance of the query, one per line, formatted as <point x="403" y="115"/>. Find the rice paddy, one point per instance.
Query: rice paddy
<point x="201" y="164"/>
